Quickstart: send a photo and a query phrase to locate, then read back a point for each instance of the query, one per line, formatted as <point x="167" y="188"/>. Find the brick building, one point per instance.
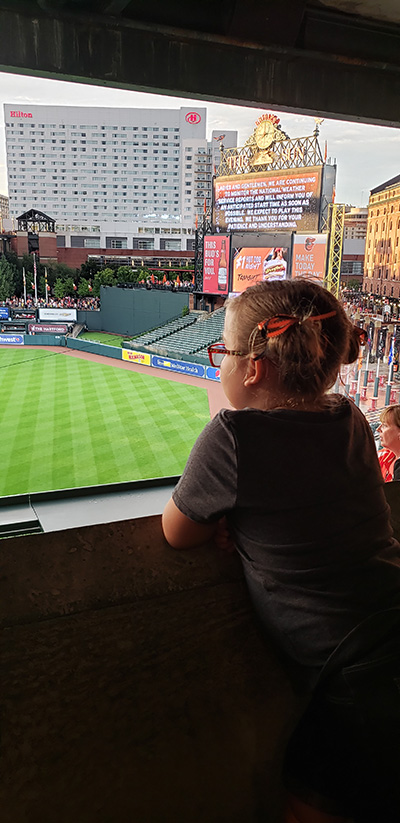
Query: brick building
<point x="382" y="260"/>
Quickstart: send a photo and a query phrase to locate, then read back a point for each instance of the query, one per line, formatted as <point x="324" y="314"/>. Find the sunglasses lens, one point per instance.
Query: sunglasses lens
<point x="218" y="358"/>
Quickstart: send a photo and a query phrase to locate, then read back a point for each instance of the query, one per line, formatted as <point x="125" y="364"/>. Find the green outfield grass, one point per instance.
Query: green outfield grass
<point x="102" y="337"/>
<point x="67" y="422"/>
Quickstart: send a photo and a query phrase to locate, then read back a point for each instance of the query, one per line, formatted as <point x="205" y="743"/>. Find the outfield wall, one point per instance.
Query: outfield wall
<point x="134" y="311"/>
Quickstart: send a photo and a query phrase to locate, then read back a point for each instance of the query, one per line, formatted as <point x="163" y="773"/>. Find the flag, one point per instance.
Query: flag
<point x="75" y="286"/>
<point x="164" y="278"/>
<point x="205" y="205"/>
<point x="196" y="221"/>
<point x="391" y="353"/>
<point x="326" y="151"/>
<point x="47" y="287"/>
<point x="178" y="280"/>
<point x="221" y="137"/>
<point x="32" y="285"/>
<point x="90" y="288"/>
<point x="152" y="278"/>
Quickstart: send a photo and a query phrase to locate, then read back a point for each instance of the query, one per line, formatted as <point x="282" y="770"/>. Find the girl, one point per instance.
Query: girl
<point x="389" y="430"/>
<point x="295" y="473"/>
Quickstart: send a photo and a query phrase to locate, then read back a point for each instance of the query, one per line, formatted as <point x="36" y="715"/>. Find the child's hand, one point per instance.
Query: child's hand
<point x="222" y="537"/>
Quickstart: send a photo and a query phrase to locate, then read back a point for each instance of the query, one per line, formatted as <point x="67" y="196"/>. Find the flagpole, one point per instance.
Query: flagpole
<point x="24" y="282"/>
<point x="390" y="373"/>
<point x="35" y="276"/>
<point x="45" y="285"/>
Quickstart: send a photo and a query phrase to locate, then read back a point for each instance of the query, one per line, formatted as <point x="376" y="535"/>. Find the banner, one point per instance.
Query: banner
<point x="11" y="339"/>
<point x="43" y="328"/>
<point x="253" y="265"/>
<point x="58" y="314"/>
<point x="181" y="366"/>
<point x="213" y="374"/>
<point x="380" y="344"/>
<point x="137" y="357"/>
<point x="215" y="264"/>
<point x="309" y="256"/>
<point x="4" y="312"/>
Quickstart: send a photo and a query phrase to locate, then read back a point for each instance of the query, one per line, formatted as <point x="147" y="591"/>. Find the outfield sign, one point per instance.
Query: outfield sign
<point x="66" y="315"/>
<point x="195" y="369"/>
<point x="213" y="374"/>
<point x="136" y="357"/>
<point x="37" y="328"/>
<point x="12" y="339"/>
<point x="24" y="314"/>
<point x="4" y="312"/>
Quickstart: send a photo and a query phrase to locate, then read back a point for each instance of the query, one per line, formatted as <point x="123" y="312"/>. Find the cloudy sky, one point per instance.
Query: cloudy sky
<point x="366" y="155"/>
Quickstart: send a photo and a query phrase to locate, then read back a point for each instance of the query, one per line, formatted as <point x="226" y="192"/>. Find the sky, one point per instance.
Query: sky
<point x="366" y="155"/>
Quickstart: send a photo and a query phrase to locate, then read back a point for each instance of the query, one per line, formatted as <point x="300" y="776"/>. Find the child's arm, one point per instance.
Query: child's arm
<point x="183" y="533"/>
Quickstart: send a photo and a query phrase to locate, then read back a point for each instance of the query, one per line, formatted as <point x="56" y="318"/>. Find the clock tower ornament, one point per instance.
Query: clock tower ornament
<point x="266" y="133"/>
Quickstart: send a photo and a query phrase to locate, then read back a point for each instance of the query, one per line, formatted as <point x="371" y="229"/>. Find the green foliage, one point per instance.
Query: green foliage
<point x="7" y="273"/>
<point x="58" y="290"/>
<point x="69" y="286"/>
<point x="354" y="284"/>
<point x="83" y="288"/>
<point x="126" y="274"/>
<point x="105" y="277"/>
<point x="185" y="311"/>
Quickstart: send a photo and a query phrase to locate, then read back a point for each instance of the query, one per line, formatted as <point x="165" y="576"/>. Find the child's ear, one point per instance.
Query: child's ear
<point x="256" y="371"/>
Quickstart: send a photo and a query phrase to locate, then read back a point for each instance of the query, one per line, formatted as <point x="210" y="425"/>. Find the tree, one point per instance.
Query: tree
<point x="7" y="273"/>
<point x="105" y="277"/>
<point x="83" y="288"/>
<point x="58" y="289"/>
<point x="69" y="286"/>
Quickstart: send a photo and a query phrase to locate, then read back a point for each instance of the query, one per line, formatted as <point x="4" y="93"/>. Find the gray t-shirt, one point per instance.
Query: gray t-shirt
<point x="303" y="496"/>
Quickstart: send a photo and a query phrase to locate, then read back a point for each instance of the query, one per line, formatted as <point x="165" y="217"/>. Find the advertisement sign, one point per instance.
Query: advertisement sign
<point x="11" y="339"/>
<point x="309" y="256"/>
<point x="66" y="315"/>
<point x="215" y="264"/>
<point x="274" y="200"/>
<point x="137" y="357"/>
<point x="43" y="328"/>
<point x="24" y="314"/>
<point x="4" y="313"/>
<point x="195" y="369"/>
<point x="253" y="265"/>
<point x="213" y="374"/>
<point x="381" y="343"/>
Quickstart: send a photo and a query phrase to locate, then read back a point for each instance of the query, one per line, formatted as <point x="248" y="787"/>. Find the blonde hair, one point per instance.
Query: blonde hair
<point x="308" y="356"/>
<point x="391" y="414"/>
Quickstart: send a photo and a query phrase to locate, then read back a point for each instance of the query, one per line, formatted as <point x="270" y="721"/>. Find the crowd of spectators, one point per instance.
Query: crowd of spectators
<point x="83" y="303"/>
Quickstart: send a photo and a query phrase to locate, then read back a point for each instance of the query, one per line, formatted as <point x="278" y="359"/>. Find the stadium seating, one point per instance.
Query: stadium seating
<point x="150" y="337"/>
<point x="189" y="338"/>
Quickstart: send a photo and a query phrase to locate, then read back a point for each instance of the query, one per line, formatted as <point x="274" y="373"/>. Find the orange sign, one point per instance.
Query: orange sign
<point x="253" y="265"/>
<point x="309" y="256"/>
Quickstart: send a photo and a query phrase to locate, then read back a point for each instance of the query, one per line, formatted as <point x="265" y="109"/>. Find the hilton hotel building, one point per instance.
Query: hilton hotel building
<point x="116" y="178"/>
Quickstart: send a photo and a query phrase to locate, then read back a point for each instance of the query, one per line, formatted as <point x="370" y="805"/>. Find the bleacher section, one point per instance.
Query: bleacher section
<point x="190" y="338"/>
<point x="167" y="329"/>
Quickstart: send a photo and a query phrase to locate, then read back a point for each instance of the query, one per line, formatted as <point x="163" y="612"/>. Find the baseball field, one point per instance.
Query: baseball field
<point x="68" y="422"/>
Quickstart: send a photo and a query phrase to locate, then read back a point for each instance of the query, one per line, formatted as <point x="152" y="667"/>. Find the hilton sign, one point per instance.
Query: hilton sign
<point x="20" y="114"/>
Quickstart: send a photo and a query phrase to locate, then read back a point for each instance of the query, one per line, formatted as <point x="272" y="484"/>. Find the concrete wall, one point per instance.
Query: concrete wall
<point x="134" y="684"/>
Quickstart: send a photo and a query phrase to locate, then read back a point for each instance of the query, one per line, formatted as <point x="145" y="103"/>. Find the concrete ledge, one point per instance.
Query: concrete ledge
<point x="135" y="685"/>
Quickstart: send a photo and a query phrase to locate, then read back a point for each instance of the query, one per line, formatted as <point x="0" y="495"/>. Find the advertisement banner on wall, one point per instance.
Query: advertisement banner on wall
<point x="137" y="357"/>
<point x="4" y="312"/>
<point x="181" y="366"/>
<point x="253" y="265"/>
<point x="213" y="374"/>
<point x="268" y="201"/>
<point x="309" y="256"/>
<point x="11" y="339"/>
<point x="215" y="264"/>
<point x="66" y="315"/>
<point x="46" y="328"/>
<point x="24" y="314"/>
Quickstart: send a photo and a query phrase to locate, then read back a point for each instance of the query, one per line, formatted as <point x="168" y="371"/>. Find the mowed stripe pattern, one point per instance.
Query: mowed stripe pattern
<point x="67" y="422"/>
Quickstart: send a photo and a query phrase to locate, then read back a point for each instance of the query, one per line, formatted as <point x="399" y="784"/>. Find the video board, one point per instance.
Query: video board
<point x="215" y="264"/>
<point x="252" y="265"/>
<point x="268" y="201"/>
